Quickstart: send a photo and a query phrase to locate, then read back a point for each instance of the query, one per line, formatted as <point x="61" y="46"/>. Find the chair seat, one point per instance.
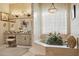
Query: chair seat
<point x="10" y="39"/>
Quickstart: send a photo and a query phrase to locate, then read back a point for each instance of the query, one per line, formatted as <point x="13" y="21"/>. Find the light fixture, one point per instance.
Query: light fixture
<point x="20" y="13"/>
<point x="52" y="8"/>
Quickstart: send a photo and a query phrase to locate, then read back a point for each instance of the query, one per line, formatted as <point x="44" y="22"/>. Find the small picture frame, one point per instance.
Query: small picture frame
<point x="4" y="25"/>
<point x="3" y="16"/>
<point x="11" y="25"/>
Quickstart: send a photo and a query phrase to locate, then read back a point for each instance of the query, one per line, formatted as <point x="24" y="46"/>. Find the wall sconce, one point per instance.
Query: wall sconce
<point x="52" y="8"/>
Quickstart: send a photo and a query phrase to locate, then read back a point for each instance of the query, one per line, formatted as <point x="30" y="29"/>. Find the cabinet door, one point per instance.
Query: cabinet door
<point x="28" y="40"/>
<point x="20" y="39"/>
<point x="23" y="39"/>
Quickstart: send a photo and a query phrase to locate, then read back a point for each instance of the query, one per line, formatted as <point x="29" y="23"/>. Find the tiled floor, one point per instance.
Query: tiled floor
<point x="15" y="51"/>
<point x="6" y="46"/>
<point x="28" y="54"/>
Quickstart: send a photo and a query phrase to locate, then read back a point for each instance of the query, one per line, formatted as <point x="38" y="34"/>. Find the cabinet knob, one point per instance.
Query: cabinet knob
<point x="25" y="38"/>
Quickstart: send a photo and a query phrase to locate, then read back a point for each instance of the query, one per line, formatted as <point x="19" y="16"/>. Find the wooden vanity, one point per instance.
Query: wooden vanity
<point x="21" y="38"/>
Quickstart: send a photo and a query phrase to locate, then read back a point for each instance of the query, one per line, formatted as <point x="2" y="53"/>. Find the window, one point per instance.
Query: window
<point x="56" y="22"/>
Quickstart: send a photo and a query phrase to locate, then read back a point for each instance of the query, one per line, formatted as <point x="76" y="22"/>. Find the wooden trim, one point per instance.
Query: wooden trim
<point x="22" y="18"/>
<point x="8" y="21"/>
<point x="4" y="12"/>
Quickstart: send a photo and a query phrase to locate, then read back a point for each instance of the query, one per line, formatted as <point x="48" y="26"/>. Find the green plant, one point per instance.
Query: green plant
<point x="54" y="39"/>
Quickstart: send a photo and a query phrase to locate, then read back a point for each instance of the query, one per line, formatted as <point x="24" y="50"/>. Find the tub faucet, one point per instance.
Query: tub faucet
<point x="66" y="42"/>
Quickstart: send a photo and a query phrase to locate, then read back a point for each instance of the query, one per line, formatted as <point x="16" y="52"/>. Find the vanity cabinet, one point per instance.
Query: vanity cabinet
<point x="21" y="39"/>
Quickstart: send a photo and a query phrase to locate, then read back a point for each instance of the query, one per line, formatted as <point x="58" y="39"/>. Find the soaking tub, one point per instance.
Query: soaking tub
<point x="40" y="48"/>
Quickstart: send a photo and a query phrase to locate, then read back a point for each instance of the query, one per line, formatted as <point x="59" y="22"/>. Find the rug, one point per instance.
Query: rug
<point x="17" y="51"/>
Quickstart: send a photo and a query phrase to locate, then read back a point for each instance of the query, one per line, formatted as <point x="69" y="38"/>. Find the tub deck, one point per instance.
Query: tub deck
<point x="40" y="48"/>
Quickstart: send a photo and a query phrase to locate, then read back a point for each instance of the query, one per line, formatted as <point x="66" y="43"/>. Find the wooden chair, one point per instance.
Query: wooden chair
<point x="11" y="41"/>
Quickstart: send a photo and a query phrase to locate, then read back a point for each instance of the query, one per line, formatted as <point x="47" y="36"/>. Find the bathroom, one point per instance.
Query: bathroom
<point x="25" y="25"/>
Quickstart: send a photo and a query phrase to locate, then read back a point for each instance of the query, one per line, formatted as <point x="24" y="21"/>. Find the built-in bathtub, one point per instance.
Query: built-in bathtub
<point x="40" y="48"/>
<point x="46" y="45"/>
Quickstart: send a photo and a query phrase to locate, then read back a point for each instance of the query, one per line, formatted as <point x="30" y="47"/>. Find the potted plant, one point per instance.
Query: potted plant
<point x="54" y="39"/>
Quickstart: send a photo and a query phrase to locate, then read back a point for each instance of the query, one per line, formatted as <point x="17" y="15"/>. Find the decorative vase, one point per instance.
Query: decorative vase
<point x="71" y="41"/>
